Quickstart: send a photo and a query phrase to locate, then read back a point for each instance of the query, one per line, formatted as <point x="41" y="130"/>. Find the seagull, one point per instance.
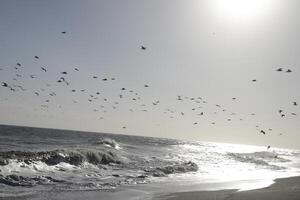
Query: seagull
<point x="263" y="132"/>
<point x="233" y="98"/>
<point x="37" y="94"/>
<point x="19" y="64"/>
<point x="280" y="111"/>
<point x="32" y="76"/>
<point x="63" y="32"/>
<point x="4" y="84"/>
<point x="95" y="76"/>
<point x="146" y="85"/>
<point x="76" y="69"/>
<point x="293" y="114"/>
<point x="143" y="47"/>
<point x="36" y="57"/>
<point x="288" y="71"/>
<point x="279" y="70"/>
<point x="295" y="103"/>
<point x="268" y="147"/>
<point x="44" y="69"/>
<point x="105" y="79"/>
<point x="254" y="80"/>
<point x="64" y="73"/>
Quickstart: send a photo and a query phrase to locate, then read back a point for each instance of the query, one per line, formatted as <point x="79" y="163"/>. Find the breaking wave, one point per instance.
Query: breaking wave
<point x="263" y="158"/>
<point x="84" y="168"/>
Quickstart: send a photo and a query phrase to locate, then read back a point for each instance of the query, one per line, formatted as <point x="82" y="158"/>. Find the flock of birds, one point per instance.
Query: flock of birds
<point x="64" y="79"/>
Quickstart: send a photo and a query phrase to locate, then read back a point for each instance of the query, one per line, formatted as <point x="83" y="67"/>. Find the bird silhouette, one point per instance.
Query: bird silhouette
<point x="263" y="132"/>
<point x="4" y="84"/>
<point x="143" y="47"/>
<point x="279" y="70"/>
<point x="44" y="69"/>
<point x="288" y="71"/>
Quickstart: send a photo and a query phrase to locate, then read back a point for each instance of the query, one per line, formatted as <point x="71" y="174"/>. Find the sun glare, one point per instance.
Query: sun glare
<point x="242" y="10"/>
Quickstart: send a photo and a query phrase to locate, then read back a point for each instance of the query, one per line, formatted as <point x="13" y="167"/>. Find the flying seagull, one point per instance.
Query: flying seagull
<point x="295" y="103"/>
<point x="143" y="47"/>
<point x="4" y="84"/>
<point x="288" y="71"/>
<point x="279" y="70"/>
<point x="44" y="69"/>
<point x="263" y="132"/>
<point x="36" y="57"/>
<point x="63" y="32"/>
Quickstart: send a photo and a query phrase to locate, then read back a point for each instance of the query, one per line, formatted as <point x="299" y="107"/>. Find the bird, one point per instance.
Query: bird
<point x="295" y="103"/>
<point x="263" y="132"/>
<point x="283" y="115"/>
<point x="254" y="80"/>
<point x="143" y="47"/>
<point x="279" y="70"/>
<point x="37" y="94"/>
<point x="195" y="123"/>
<point x="44" y="69"/>
<point x="32" y="76"/>
<point x="76" y="69"/>
<point x="293" y="114"/>
<point x="63" y="32"/>
<point x="4" y="84"/>
<point x="95" y="77"/>
<point x="280" y="111"/>
<point x="105" y="79"/>
<point x="288" y="71"/>
<point x="64" y="73"/>
<point x="19" y="64"/>
<point x="233" y="98"/>
<point x="146" y="85"/>
<point x="268" y="147"/>
<point x="36" y="57"/>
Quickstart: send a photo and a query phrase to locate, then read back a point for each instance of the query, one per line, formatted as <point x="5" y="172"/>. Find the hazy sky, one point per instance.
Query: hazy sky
<point x="210" y="49"/>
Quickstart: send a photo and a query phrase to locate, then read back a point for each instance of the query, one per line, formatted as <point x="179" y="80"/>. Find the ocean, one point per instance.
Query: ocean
<point x="37" y="160"/>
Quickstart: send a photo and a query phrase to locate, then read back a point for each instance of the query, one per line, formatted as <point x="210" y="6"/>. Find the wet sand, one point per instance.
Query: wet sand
<point x="282" y="189"/>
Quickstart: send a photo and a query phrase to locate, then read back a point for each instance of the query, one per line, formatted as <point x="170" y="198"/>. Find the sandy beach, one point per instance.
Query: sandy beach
<point x="282" y="189"/>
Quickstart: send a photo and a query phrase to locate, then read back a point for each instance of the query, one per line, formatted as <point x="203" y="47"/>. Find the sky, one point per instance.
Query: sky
<point x="207" y="52"/>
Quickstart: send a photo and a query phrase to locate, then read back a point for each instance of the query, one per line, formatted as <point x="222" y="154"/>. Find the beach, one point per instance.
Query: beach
<point x="282" y="189"/>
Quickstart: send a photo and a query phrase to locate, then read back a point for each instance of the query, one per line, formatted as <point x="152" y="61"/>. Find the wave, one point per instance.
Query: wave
<point x="108" y="142"/>
<point x="73" y="157"/>
<point x="83" y="168"/>
<point x="263" y="158"/>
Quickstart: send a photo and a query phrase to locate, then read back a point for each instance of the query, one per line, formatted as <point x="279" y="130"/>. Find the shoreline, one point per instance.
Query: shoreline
<point x="281" y="189"/>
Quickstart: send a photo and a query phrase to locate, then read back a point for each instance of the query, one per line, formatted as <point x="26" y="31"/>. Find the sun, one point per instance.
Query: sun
<point x="242" y="10"/>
